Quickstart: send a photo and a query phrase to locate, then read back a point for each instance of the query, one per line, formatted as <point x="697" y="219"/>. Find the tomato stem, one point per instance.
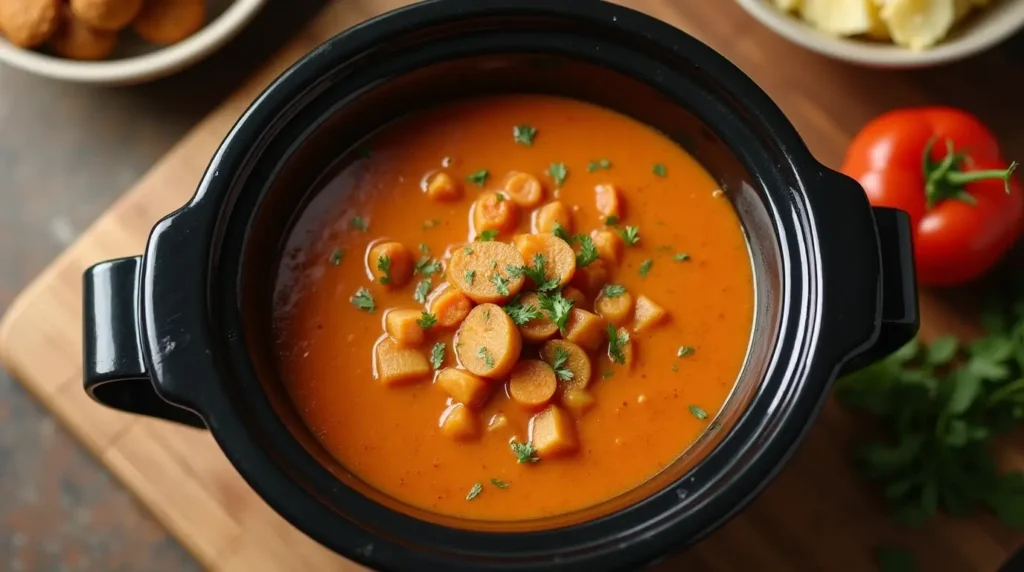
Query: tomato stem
<point x="946" y="179"/>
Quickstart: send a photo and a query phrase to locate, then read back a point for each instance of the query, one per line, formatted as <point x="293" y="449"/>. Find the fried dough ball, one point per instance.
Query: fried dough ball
<point x="29" y="23"/>
<point x="169" y="21"/>
<point x="77" y="41"/>
<point x="109" y="15"/>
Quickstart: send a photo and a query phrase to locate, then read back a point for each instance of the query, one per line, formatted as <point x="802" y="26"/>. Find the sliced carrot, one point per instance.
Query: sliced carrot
<point x="591" y="278"/>
<point x="616" y="309"/>
<point x="464" y="387"/>
<point x="532" y="383"/>
<point x="545" y="218"/>
<point x="559" y="257"/>
<point x="577" y="362"/>
<point x="397" y="365"/>
<point x="524" y="189"/>
<point x="403" y="327"/>
<point x="494" y="211"/>
<point x="553" y="433"/>
<point x="647" y="314"/>
<point x="449" y="305"/>
<point x="488" y="342"/>
<point x="609" y="201"/>
<point x="578" y="401"/>
<point x="481" y="271"/>
<point x="441" y="186"/>
<point x="574" y="294"/>
<point x="459" y="423"/>
<point x="609" y="245"/>
<point x="390" y="263"/>
<point x="540" y="328"/>
<point x="584" y="329"/>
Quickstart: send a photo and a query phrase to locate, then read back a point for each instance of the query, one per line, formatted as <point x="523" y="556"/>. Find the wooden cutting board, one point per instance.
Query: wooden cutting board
<point x="817" y="515"/>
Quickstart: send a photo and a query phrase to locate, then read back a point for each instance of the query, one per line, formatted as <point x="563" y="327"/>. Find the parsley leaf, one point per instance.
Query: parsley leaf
<point x="611" y="220"/>
<point x="427" y="320"/>
<point x="684" y="351"/>
<point x="470" y="275"/>
<point x="614" y="290"/>
<point x="437" y="355"/>
<point x="659" y="170"/>
<point x="524" y="134"/>
<point x="559" y="231"/>
<point x="487" y="235"/>
<point x="363" y="300"/>
<point x="521" y="314"/>
<point x="616" y="342"/>
<point x="557" y="308"/>
<point x="424" y="249"/>
<point x="500" y="284"/>
<point x="681" y="257"/>
<point x="698" y="412"/>
<point x="427" y="266"/>
<point x="607" y="373"/>
<point x="645" y="267"/>
<point x="422" y="289"/>
<point x="358" y="223"/>
<point x="475" y="491"/>
<point x="536" y="273"/>
<point x="587" y="253"/>
<point x="524" y="452"/>
<point x="500" y="483"/>
<point x="478" y="178"/>
<point x="559" y="172"/>
<point x="630" y="234"/>
<point x="467" y="251"/>
<point x="336" y="256"/>
<point x="384" y="265"/>
<point x="561" y="357"/>
<point x="598" y="164"/>
<point x="485" y="354"/>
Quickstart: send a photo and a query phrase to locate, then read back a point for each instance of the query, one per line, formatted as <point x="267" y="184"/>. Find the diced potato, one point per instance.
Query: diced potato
<point x="397" y="365"/>
<point x="591" y="278"/>
<point x="402" y="327"/>
<point x="912" y="23"/>
<point x="497" y="422"/>
<point x="464" y="387"/>
<point x="609" y="201"/>
<point x="609" y="245"/>
<point x="441" y="186"/>
<point x="524" y="189"/>
<point x="616" y="309"/>
<point x="494" y="211"/>
<point x="553" y="433"/>
<point x="577" y="362"/>
<point x="459" y="423"/>
<point x="578" y="401"/>
<point x="574" y="294"/>
<point x="545" y="217"/>
<point x="390" y="263"/>
<point x="839" y="17"/>
<point x="584" y="329"/>
<point x="449" y="305"/>
<point x="538" y="329"/>
<point x="647" y="314"/>
<point x="559" y="258"/>
<point x="480" y="271"/>
<point x="532" y="384"/>
<point x="488" y="342"/>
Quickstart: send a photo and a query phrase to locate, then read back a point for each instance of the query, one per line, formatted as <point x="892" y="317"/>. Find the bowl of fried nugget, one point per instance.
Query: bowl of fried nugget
<point x="891" y="33"/>
<point x="116" y="42"/>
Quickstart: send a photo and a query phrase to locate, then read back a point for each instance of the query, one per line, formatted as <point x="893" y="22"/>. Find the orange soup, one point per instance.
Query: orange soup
<point x="513" y="307"/>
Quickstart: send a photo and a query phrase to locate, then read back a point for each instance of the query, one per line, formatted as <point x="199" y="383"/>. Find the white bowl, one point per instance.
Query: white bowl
<point x="982" y="30"/>
<point x="134" y="61"/>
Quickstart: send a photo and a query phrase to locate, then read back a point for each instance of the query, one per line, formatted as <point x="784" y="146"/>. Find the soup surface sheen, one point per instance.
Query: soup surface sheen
<point x="382" y="417"/>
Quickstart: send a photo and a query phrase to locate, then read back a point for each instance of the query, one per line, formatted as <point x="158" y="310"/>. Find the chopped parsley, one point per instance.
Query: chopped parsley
<point x="467" y="251"/>
<point x="521" y="314"/>
<point x="384" y="265"/>
<point x="698" y="412"/>
<point x="424" y="249"/>
<point x="616" y="342"/>
<point x="559" y="172"/>
<point x="336" y="257"/>
<point x="427" y="266"/>
<point x="598" y="164"/>
<point x="607" y="373"/>
<point x="557" y="307"/>
<point x="524" y="452"/>
<point x="587" y="253"/>
<point x="559" y="231"/>
<point x="659" y="170"/>
<point x="437" y="355"/>
<point x="684" y="351"/>
<point x="500" y="284"/>
<point x="630" y="234"/>
<point x="485" y="354"/>
<point x="363" y="300"/>
<point x="611" y="220"/>
<point x="614" y="290"/>
<point x="681" y="257"/>
<point x="431" y="223"/>
<point x="561" y="357"/>
<point x="499" y="197"/>
<point x="470" y="275"/>
<point x="645" y="267"/>
<point x="475" y="491"/>
<point x="422" y="289"/>
<point x="500" y="483"/>
<point x="427" y="320"/>
<point x="478" y="178"/>
<point x="524" y="134"/>
<point x="358" y="223"/>
<point x="536" y="273"/>
<point x="487" y="235"/>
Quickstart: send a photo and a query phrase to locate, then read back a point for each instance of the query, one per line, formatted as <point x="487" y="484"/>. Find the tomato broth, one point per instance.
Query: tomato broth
<point x="664" y="262"/>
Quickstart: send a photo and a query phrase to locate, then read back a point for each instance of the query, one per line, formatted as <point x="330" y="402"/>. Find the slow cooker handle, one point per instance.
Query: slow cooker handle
<point x="114" y="366"/>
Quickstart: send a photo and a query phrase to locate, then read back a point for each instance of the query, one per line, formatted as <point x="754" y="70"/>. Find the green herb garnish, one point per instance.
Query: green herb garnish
<point x="475" y="491"/>
<point x="630" y="235"/>
<point x="487" y="235"/>
<point x="437" y="355"/>
<point x="614" y="290"/>
<point x="681" y="257"/>
<point x="698" y="412"/>
<point x="485" y="354"/>
<point x="358" y="223"/>
<point x="536" y="273"/>
<point x="478" y="178"/>
<point x="424" y="249"/>
<point x="422" y="289"/>
<point x="558" y="172"/>
<point x="384" y="265"/>
<point x="616" y="343"/>
<point x="500" y="483"/>
<point x="467" y="251"/>
<point x="427" y="320"/>
<point x="611" y="220"/>
<point x="598" y="164"/>
<point x="557" y="308"/>
<point x="524" y="134"/>
<point x="559" y="231"/>
<point x="336" y="257"/>
<point x="363" y="300"/>
<point x="524" y="452"/>
<point x="427" y="266"/>
<point x="521" y="314"/>
<point x="659" y="170"/>
<point x="607" y="373"/>
<point x="561" y="357"/>
<point x="431" y="223"/>
<point x="470" y="275"/>
<point x="645" y="267"/>
<point x="588" y="252"/>
<point x="500" y="283"/>
<point x="684" y="351"/>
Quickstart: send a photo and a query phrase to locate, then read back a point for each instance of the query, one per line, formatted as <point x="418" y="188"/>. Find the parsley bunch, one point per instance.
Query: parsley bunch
<point x="941" y="406"/>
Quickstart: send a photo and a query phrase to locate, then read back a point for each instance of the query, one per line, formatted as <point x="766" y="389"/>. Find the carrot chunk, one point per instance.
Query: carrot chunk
<point x="397" y="365"/>
<point x="441" y="186"/>
<point x="591" y="278"/>
<point x="540" y="328"/>
<point x="553" y="433"/>
<point x="614" y="304"/>
<point x="464" y="387"/>
<point x="524" y="189"/>
<point x="647" y="314"/>
<point x="574" y="294"/>
<point x="609" y="245"/>
<point x="488" y="342"/>
<point x="571" y="363"/>
<point x="481" y="271"/>
<point x="459" y="423"/>
<point x="391" y="264"/>
<point x="559" y="258"/>
<point x="546" y="217"/>
<point x="578" y="401"/>
<point x="584" y="329"/>
<point x="532" y="384"/>
<point x="494" y="211"/>
<point x="449" y="305"/>
<point x="403" y="327"/>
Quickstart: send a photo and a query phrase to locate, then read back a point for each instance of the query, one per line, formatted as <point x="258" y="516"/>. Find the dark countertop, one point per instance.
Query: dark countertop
<point x="66" y="152"/>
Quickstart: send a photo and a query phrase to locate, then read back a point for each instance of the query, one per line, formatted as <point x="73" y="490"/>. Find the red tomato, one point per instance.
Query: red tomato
<point x="966" y="209"/>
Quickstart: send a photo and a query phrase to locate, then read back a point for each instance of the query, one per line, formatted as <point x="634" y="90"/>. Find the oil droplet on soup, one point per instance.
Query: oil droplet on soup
<point x="513" y="307"/>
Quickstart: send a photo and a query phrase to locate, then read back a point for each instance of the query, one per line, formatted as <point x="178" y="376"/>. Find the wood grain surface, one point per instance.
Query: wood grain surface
<point x="816" y="515"/>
